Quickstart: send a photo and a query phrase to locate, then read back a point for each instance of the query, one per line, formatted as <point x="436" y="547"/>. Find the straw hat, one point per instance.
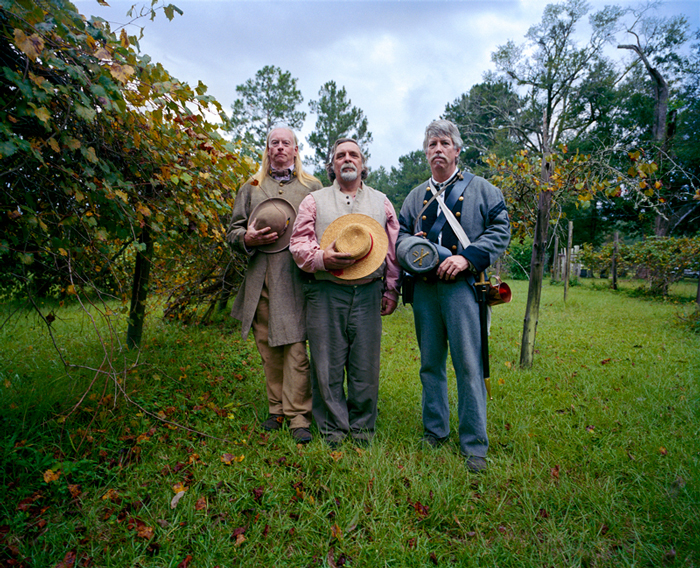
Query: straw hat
<point x="279" y="215"/>
<point x="363" y="238"/>
<point x="418" y="255"/>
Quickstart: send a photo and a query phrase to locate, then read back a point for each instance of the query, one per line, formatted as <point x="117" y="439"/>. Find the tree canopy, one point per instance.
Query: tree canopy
<point x="105" y="156"/>
<point x="270" y="98"/>
<point x="336" y="118"/>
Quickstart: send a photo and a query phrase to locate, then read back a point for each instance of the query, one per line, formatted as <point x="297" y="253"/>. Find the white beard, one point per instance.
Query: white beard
<point x="349" y="175"/>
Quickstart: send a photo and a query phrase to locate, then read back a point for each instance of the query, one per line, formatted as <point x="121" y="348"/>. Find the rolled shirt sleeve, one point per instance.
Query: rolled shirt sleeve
<point x="303" y="244"/>
<point x="393" y="270"/>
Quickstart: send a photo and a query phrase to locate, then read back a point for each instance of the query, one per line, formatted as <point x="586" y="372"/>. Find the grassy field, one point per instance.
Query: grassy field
<point x="594" y="459"/>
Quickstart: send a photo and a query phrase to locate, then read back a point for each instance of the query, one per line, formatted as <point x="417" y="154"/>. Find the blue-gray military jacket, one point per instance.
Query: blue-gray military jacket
<point x="481" y="212"/>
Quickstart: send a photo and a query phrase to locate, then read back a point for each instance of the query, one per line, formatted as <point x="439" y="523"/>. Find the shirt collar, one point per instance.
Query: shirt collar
<point x="439" y="185"/>
<point x="282" y="175"/>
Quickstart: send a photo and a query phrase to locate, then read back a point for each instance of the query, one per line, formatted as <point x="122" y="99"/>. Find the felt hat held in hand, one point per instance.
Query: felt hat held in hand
<point x="279" y="215"/>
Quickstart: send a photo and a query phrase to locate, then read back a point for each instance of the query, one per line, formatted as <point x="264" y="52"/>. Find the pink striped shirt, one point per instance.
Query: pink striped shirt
<point x="309" y="256"/>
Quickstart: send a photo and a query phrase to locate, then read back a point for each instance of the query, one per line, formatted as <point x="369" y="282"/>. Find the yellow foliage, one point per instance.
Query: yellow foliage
<point x="31" y="46"/>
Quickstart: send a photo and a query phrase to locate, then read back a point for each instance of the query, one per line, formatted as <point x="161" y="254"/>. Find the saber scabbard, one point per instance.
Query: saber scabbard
<point x="482" y="288"/>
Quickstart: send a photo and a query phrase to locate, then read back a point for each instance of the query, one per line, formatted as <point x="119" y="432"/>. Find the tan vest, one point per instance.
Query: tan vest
<point x="332" y="203"/>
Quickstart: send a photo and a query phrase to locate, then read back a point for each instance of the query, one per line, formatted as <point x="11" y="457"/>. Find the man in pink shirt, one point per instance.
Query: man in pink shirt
<point x="343" y="315"/>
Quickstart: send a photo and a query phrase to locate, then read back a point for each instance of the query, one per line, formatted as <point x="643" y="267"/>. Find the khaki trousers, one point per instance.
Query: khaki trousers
<point x="286" y="370"/>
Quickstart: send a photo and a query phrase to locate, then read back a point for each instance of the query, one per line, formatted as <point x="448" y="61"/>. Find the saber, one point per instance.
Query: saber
<point x="482" y="287"/>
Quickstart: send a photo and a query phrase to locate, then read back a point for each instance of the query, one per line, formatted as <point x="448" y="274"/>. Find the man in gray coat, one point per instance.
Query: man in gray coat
<point x="271" y="298"/>
<point x="445" y="308"/>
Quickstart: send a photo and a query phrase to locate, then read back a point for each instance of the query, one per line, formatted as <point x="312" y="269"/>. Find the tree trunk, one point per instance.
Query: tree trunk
<point x="534" y="291"/>
<point x="139" y="291"/>
<point x="616" y="246"/>
<point x="567" y="268"/>
<point x="660" y="132"/>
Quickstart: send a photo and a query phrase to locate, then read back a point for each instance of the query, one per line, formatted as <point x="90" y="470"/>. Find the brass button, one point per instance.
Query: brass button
<point x="454" y="247"/>
<point x="425" y="201"/>
<point x="458" y="214"/>
<point x="424" y="217"/>
<point x="281" y="192"/>
<point x="461" y="198"/>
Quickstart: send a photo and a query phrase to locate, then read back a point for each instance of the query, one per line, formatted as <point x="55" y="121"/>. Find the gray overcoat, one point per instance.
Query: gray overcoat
<point x="287" y="314"/>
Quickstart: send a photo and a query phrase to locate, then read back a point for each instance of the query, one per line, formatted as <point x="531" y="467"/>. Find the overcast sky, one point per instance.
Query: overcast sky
<point x="400" y="61"/>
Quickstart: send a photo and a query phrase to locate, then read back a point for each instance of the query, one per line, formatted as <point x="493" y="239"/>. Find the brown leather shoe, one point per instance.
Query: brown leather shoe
<point x="475" y="464"/>
<point x="274" y="422"/>
<point x="430" y="441"/>
<point x="302" y="435"/>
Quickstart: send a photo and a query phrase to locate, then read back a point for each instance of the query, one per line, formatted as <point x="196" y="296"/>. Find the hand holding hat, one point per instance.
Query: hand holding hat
<point x="270" y="225"/>
<point x="257" y="237"/>
<point x="356" y="246"/>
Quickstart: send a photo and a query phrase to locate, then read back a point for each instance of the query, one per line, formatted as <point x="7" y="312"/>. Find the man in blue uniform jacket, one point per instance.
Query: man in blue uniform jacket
<point x="444" y="301"/>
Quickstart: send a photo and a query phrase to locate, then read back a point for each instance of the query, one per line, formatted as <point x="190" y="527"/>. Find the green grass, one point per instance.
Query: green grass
<point x="594" y="458"/>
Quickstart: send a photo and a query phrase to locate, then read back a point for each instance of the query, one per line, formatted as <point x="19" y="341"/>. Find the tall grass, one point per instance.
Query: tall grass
<point x="594" y="457"/>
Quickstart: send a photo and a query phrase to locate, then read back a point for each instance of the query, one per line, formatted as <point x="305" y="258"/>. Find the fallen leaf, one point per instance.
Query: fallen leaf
<point x="200" y="504"/>
<point x="605" y="361"/>
<point x="50" y="475"/>
<point x="662" y="450"/>
<point x="237" y="535"/>
<point x="68" y="560"/>
<point x="336" y="532"/>
<point x="421" y="510"/>
<point x="144" y="532"/>
<point x="179" y="487"/>
<point x="336" y="455"/>
<point x="111" y="494"/>
<point x="555" y="472"/>
<point x="185" y="563"/>
<point x="258" y="493"/>
<point x="175" y="500"/>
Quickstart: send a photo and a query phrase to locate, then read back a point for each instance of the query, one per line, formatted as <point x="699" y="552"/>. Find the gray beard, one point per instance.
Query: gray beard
<point x="348" y="175"/>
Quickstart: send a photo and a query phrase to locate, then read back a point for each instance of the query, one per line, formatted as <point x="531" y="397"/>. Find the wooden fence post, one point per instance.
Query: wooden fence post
<point x="616" y="243"/>
<point x="555" y="259"/>
<point x="567" y="267"/>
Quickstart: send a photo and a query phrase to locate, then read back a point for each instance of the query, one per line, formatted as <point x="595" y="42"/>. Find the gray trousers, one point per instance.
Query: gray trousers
<point x="448" y="313"/>
<point x="344" y="330"/>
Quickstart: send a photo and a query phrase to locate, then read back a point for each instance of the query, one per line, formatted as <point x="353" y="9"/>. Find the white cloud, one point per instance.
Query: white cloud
<point x="400" y="61"/>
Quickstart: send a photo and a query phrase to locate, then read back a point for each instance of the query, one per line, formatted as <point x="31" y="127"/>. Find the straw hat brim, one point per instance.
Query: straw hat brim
<point x="374" y="259"/>
<point x="282" y="241"/>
